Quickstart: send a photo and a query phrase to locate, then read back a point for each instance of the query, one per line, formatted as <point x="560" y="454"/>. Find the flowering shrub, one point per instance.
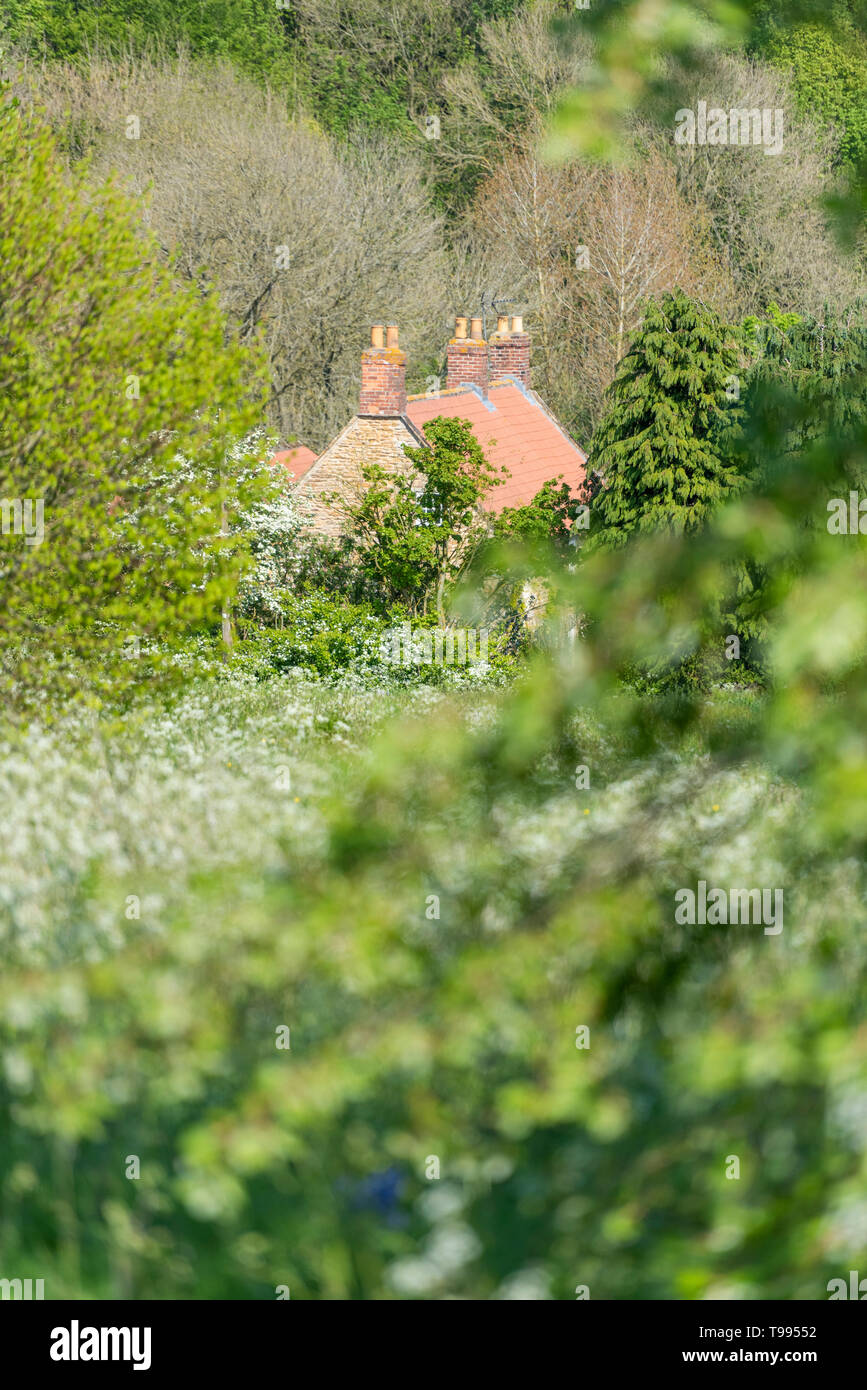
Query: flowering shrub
<point x="205" y="779"/>
<point x="274" y="524"/>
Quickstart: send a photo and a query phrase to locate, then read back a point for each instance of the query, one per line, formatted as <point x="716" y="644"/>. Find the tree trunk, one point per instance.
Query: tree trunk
<point x="228" y="634"/>
<point x="441" y="612"/>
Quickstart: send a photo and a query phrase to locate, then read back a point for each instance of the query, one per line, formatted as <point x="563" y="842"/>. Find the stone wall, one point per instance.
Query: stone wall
<point x="365" y="439"/>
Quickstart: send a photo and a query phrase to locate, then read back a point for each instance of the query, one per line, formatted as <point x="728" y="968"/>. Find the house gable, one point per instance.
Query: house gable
<point x="366" y="439"/>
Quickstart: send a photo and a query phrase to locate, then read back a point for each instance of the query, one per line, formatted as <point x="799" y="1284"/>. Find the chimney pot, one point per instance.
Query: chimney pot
<point x="467" y="357"/>
<point x="383" y="375"/>
<point x="509" y="353"/>
<point x="502" y="324"/>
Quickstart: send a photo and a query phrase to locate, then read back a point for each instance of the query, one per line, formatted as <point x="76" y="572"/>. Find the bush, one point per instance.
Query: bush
<point x="328" y="637"/>
<point x="318" y="633"/>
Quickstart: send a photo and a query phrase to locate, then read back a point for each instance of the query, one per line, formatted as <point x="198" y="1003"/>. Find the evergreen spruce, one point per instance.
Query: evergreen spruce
<point x="812" y="371"/>
<point x="658" y="458"/>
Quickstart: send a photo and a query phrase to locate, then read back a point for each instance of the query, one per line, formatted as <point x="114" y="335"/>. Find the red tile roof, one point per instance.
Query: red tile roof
<point x="296" y="460"/>
<point x="514" y="428"/>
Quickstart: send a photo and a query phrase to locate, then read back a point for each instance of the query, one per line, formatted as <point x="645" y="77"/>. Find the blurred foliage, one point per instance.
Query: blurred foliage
<point x="453" y="1036"/>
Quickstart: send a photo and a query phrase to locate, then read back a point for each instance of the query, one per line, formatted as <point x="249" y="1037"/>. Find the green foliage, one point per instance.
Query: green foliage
<point x="413" y="532"/>
<point x="248" y="32"/>
<point x="659" y="454"/>
<point x="819" y="368"/>
<point x="352" y="66"/>
<point x="325" y="636"/>
<point x="757" y="327"/>
<point x="345" y="93"/>
<point x="384" y="532"/>
<point x="829" y="69"/>
<point x="454" y="1036"/>
<point x="515" y="568"/>
<point x="631" y="46"/>
<point x="319" y="633"/>
<point x="547" y="520"/>
<point x="807" y="385"/>
<point x="632" y="77"/>
<point x="426" y="896"/>
<point x="119" y="406"/>
<point x="330" y="566"/>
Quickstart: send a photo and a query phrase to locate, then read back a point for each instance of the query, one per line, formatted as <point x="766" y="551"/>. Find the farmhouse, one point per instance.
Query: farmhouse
<point x="487" y="383"/>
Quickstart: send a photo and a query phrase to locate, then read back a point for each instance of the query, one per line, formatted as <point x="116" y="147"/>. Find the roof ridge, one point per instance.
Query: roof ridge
<point x="449" y="391"/>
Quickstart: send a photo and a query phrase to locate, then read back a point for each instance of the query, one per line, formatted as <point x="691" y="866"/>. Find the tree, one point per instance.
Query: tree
<point x="586" y="246"/>
<point x="657" y="457"/>
<point x="415" y="531"/>
<point x="829" y="72"/>
<point x="118" y="405"/>
<point x="268" y="522"/>
<point x="249" y="32"/>
<point x="817" y="364"/>
<point x="547" y="520"/>
<point x="499" y="105"/>
<point x="515" y="570"/>
<point x="767" y="215"/>
<point x="298" y="234"/>
<point x="808" y="383"/>
<point x="353" y="63"/>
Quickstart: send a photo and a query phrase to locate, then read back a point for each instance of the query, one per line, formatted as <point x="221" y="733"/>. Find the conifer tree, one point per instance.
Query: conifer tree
<point x="658" y="458"/>
<point x="811" y="370"/>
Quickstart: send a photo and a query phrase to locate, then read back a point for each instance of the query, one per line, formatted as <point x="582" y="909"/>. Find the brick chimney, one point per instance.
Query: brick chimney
<point x="468" y="357"/>
<point x="510" y="350"/>
<point x="383" y="374"/>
